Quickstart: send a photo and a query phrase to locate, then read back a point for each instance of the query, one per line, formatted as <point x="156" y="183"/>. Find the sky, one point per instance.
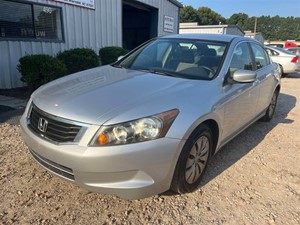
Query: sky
<point x="226" y="8"/>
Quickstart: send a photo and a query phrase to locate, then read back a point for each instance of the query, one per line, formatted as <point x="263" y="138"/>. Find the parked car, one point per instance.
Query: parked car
<point x="289" y="62"/>
<point x="151" y="121"/>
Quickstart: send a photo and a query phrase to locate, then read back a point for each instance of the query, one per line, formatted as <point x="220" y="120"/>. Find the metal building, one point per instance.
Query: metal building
<point x="258" y="36"/>
<point x="51" y="26"/>
<point x="210" y="29"/>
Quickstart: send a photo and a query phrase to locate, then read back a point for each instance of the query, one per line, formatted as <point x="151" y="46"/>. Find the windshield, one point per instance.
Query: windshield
<point x="191" y="59"/>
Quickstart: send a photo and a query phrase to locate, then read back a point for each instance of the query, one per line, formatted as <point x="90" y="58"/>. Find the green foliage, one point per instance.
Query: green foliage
<point x="188" y="14"/>
<point x="78" y="59"/>
<point x="239" y="19"/>
<point x="37" y="70"/>
<point x="209" y="17"/>
<point x="110" y="54"/>
<point x="203" y="16"/>
<point x="272" y="28"/>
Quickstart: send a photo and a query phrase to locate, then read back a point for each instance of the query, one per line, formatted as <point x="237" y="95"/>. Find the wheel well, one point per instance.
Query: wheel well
<point x="282" y="70"/>
<point x="215" y="132"/>
<point x="278" y="89"/>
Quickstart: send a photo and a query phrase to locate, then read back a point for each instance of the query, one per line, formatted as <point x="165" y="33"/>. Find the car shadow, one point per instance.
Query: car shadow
<point x="11" y="116"/>
<point x="297" y="75"/>
<point x="234" y="151"/>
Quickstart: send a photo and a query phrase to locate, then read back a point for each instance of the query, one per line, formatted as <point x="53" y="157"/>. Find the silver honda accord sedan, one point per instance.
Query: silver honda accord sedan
<point x="151" y="121"/>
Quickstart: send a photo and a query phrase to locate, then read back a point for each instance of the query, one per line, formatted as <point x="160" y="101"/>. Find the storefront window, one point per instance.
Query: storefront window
<point x="30" y="21"/>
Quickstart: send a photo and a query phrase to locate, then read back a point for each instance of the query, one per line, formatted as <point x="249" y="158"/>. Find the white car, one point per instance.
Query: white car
<point x="289" y="62"/>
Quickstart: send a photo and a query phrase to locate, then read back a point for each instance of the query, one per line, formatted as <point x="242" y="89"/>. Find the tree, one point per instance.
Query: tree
<point x="264" y="25"/>
<point x="239" y="19"/>
<point x="188" y="14"/>
<point x="273" y="28"/>
<point x="209" y="17"/>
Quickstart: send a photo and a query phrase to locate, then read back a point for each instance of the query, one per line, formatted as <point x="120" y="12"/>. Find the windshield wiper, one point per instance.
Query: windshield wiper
<point x="163" y="72"/>
<point x="117" y="66"/>
<point x="157" y="71"/>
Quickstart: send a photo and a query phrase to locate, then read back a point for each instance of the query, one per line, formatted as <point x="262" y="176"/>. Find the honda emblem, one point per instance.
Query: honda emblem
<point x="42" y="125"/>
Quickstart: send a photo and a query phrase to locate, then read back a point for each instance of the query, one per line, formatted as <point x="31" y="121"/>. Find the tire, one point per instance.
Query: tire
<point x="283" y="74"/>
<point x="271" y="108"/>
<point x="193" y="160"/>
<point x="281" y="71"/>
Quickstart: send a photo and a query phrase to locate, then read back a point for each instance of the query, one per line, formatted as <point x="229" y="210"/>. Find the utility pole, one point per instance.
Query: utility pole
<point x="255" y="27"/>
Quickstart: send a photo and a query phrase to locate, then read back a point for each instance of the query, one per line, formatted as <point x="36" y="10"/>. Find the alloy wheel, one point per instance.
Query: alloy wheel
<point x="197" y="159"/>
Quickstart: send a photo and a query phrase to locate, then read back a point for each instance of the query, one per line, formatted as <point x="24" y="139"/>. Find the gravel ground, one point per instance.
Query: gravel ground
<point x="255" y="179"/>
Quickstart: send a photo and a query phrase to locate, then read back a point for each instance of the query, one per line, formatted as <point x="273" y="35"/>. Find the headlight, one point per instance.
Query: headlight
<point x="139" y="130"/>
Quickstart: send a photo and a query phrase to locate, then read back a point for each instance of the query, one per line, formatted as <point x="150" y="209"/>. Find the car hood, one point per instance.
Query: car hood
<point x="97" y="95"/>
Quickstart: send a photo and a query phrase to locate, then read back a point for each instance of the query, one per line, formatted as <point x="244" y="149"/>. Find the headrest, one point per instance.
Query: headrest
<point x="211" y="52"/>
<point x="187" y="56"/>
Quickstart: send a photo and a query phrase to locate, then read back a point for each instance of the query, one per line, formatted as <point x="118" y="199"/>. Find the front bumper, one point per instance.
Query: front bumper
<point x="129" y="171"/>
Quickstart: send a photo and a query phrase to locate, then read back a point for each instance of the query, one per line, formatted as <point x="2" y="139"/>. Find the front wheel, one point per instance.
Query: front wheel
<point x="271" y="108"/>
<point x="193" y="161"/>
<point x="281" y="71"/>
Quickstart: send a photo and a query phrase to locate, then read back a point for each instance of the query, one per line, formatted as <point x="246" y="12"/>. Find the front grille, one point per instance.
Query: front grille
<point x="54" y="167"/>
<point x="55" y="129"/>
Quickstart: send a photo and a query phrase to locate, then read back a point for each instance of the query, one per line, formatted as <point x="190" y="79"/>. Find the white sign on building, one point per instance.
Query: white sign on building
<point x="82" y="3"/>
<point x="169" y="24"/>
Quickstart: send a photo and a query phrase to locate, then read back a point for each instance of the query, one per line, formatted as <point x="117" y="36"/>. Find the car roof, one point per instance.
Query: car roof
<point x="212" y="37"/>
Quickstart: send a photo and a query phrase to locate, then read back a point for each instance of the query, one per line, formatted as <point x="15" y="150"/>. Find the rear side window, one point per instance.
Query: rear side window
<point x="260" y="56"/>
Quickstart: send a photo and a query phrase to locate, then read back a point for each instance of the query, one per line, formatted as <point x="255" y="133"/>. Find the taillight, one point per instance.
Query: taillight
<point x="295" y="59"/>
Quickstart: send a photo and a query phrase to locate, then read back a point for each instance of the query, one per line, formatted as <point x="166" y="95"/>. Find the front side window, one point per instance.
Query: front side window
<point x="30" y="21"/>
<point x="260" y="56"/>
<point x="241" y="58"/>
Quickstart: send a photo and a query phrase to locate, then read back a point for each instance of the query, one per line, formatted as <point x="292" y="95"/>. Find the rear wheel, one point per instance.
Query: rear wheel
<point x="271" y="108"/>
<point x="193" y="161"/>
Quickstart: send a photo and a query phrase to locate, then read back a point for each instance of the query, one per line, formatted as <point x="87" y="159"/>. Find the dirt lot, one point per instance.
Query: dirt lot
<point x="255" y="179"/>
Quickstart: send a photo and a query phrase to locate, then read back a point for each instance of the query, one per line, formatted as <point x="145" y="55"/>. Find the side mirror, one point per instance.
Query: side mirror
<point x="244" y="76"/>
